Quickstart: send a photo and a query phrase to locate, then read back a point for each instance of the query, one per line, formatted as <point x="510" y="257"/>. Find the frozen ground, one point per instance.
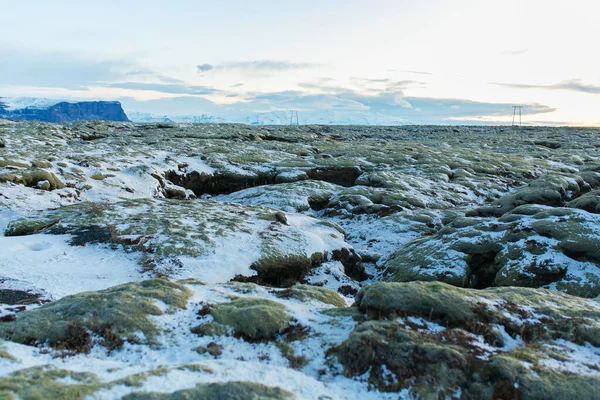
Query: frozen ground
<point x="311" y="262"/>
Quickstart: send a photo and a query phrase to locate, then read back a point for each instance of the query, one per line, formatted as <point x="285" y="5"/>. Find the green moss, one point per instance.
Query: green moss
<point x="252" y="318"/>
<point x="429" y="368"/>
<point x="32" y="178"/>
<point x="563" y="316"/>
<point x="114" y="313"/>
<point x="308" y="292"/>
<point x="137" y="380"/>
<point x="41" y="164"/>
<point x="513" y="379"/>
<point x="11" y="163"/>
<point x="228" y="390"/>
<point x="39" y="383"/>
<point x="210" y="329"/>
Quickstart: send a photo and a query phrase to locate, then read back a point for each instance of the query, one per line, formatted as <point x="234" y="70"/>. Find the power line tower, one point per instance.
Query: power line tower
<point x="294" y="118"/>
<point x="517" y="111"/>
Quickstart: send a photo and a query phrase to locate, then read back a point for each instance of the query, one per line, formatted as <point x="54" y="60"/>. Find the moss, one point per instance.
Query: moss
<point x="41" y="164"/>
<point x="98" y="176"/>
<point x="11" y="163"/>
<point x="296" y="362"/>
<point x="521" y="382"/>
<point x="432" y="300"/>
<point x="114" y="313"/>
<point x="209" y="329"/>
<point x="282" y="270"/>
<point x="38" y="383"/>
<point x="429" y="368"/>
<point x="32" y="178"/>
<point x="191" y="281"/>
<point x="242" y="287"/>
<point x="252" y="318"/>
<point x="308" y="292"/>
<point x="137" y="380"/>
<point x="228" y="390"/>
<point x="5" y="355"/>
<point x="564" y="316"/>
<point x="353" y="312"/>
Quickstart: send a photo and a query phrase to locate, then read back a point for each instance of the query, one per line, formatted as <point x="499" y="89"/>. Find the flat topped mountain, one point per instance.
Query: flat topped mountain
<point x="62" y="111"/>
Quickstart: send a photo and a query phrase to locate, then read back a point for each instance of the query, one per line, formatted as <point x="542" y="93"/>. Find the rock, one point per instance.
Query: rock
<point x="531" y="246"/>
<point x="63" y="111"/>
<point x="565" y="316"/>
<point x="549" y="190"/>
<point x="252" y="318"/>
<point x="352" y="263"/>
<point x="170" y="232"/>
<point x="281" y="218"/>
<point x="589" y="202"/>
<point x="13" y="164"/>
<point x="425" y="337"/>
<point x="41" y="164"/>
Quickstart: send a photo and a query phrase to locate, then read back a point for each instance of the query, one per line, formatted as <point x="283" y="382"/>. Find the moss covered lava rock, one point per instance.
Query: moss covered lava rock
<point x="253" y="318"/>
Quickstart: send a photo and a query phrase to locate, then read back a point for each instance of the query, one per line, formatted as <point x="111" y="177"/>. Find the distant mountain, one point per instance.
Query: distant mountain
<point x="198" y="119"/>
<point x="277" y="118"/>
<point x="31" y="109"/>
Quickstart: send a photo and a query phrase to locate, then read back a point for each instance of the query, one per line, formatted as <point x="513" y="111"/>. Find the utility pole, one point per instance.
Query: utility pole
<point x="517" y="110"/>
<point x="294" y="115"/>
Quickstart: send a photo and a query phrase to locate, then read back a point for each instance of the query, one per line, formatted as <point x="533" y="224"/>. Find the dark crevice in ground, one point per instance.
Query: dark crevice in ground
<point x="217" y="184"/>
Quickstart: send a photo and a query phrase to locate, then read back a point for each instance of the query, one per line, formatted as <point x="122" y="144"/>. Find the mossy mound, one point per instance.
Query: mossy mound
<point x="308" y="293"/>
<point x="115" y="314"/>
<point x="515" y="380"/>
<point x="252" y="318"/>
<point x="589" y="202"/>
<point x="428" y="337"/>
<point x="228" y="390"/>
<point x="534" y="314"/>
<point x="282" y="270"/>
<point x="47" y="382"/>
<point x="532" y="246"/>
<point x="171" y="232"/>
<point x="32" y="178"/>
<point x="396" y="358"/>
<point x="549" y="190"/>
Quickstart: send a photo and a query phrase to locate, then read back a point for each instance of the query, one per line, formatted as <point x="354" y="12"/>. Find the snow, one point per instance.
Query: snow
<point x="49" y="265"/>
<point x="15" y="103"/>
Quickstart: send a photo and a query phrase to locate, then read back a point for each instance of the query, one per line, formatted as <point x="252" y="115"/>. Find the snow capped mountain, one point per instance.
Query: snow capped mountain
<point x="277" y="118"/>
<point x="16" y="103"/>
<point x="193" y="119"/>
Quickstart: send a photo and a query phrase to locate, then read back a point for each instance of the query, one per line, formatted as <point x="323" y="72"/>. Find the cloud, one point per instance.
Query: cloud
<point x="515" y="52"/>
<point x="385" y="106"/>
<point x="205" y="67"/>
<point x="65" y="71"/>
<point x="441" y="109"/>
<point x="418" y="72"/>
<point x="574" y="85"/>
<point x="58" y="70"/>
<point x="165" y="88"/>
<point x="259" y="66"/>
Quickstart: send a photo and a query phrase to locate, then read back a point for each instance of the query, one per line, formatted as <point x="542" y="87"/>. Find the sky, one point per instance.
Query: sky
<point x="426" y="61"/>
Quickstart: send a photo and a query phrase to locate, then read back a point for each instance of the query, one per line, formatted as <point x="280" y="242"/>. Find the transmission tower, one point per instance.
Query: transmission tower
<point x="294" y="118"/>
<point x="517" y="111"/>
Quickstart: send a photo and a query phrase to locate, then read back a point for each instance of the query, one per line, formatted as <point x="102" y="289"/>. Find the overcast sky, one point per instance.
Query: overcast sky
<point x="437" y="60"/>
